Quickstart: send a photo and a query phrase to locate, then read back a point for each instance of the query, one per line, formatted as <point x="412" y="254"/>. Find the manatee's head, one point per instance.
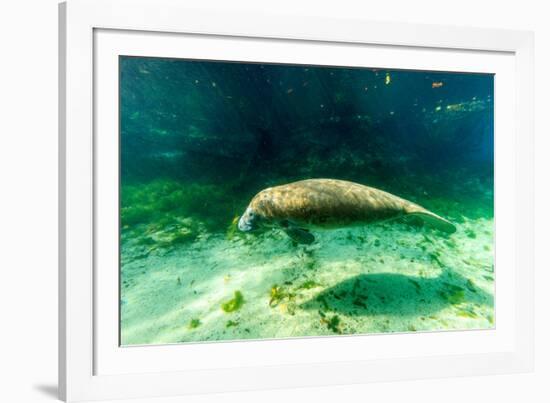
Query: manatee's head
<point x="249" y="221"/>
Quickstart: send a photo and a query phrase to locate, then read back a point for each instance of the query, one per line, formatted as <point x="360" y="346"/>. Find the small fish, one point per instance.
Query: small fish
<point x="388" y="79"/>
<point x="437" y="84"/>
<point x="290" y="91"/>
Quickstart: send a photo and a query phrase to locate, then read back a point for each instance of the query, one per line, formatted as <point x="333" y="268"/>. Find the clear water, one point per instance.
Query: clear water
<point x="200" y="139"/>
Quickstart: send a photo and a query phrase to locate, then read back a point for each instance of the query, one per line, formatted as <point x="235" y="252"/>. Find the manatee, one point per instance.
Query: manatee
<point x="299" y="207"/>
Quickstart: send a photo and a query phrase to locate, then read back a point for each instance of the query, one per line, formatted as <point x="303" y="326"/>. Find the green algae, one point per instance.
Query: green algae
<point x="452" y="293"/>
<point x="277" y="294"/>
<point x="471" y="286"/>
<point x="333" y="323"/>
<point x="194" y="323"/>
<point x="426" y="239"/>
<point x="467" y="314"/>
<point x="232" y="229"/>
<point x="135" y="214"/>
<point x="416" y="285"/>
<point x="434" y="257"/>
<point x="308" y="285"/>
<point x="471" y="234"/>
<point x="164" y="201"/>
<point x="451" y="243"/>
<point x="233" y="304"/>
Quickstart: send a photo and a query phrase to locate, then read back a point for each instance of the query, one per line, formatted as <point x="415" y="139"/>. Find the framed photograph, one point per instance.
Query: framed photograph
<point x="257" y="201"/>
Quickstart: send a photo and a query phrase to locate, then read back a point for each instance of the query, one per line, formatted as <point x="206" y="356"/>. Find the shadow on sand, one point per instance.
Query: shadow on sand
<point x="398" y="295"/>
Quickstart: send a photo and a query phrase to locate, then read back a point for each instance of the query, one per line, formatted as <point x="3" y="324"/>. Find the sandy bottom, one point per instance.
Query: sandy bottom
<point x="381" y="278"/>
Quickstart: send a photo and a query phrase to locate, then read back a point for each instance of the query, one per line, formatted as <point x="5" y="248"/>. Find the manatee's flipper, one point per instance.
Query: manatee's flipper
<point x="299" y="235"/>
<point x="435" y="221"/>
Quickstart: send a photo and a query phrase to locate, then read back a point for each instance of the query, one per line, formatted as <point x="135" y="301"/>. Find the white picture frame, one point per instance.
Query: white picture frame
<point x="91" y="366"/>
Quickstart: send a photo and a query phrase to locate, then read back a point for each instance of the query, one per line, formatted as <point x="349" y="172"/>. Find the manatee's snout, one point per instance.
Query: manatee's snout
<point x="248" y="221"/>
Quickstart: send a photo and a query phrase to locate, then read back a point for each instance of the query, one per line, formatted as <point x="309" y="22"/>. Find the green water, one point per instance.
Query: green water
<point x="200" y="139"/>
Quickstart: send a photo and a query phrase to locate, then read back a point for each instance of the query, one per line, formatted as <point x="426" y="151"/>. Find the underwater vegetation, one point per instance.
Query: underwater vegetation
<point x="194" y="323"/>
<point x="200" y="139"/>
<point x="333" y="323"/>
<point x="342" y="285"/>
<point x="278" y="294"/>
<point x="162" y="202"/>
<point x="233" y="304"/>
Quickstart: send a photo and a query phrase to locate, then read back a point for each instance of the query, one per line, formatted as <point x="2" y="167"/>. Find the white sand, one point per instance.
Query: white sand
<point x="382" y="278"/>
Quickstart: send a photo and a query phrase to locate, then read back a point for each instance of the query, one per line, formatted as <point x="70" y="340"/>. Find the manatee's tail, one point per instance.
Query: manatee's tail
<point x="432" y="219"/>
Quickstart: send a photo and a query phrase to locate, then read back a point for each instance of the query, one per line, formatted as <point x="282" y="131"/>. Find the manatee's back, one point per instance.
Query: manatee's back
<point x="329" y="203"/>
